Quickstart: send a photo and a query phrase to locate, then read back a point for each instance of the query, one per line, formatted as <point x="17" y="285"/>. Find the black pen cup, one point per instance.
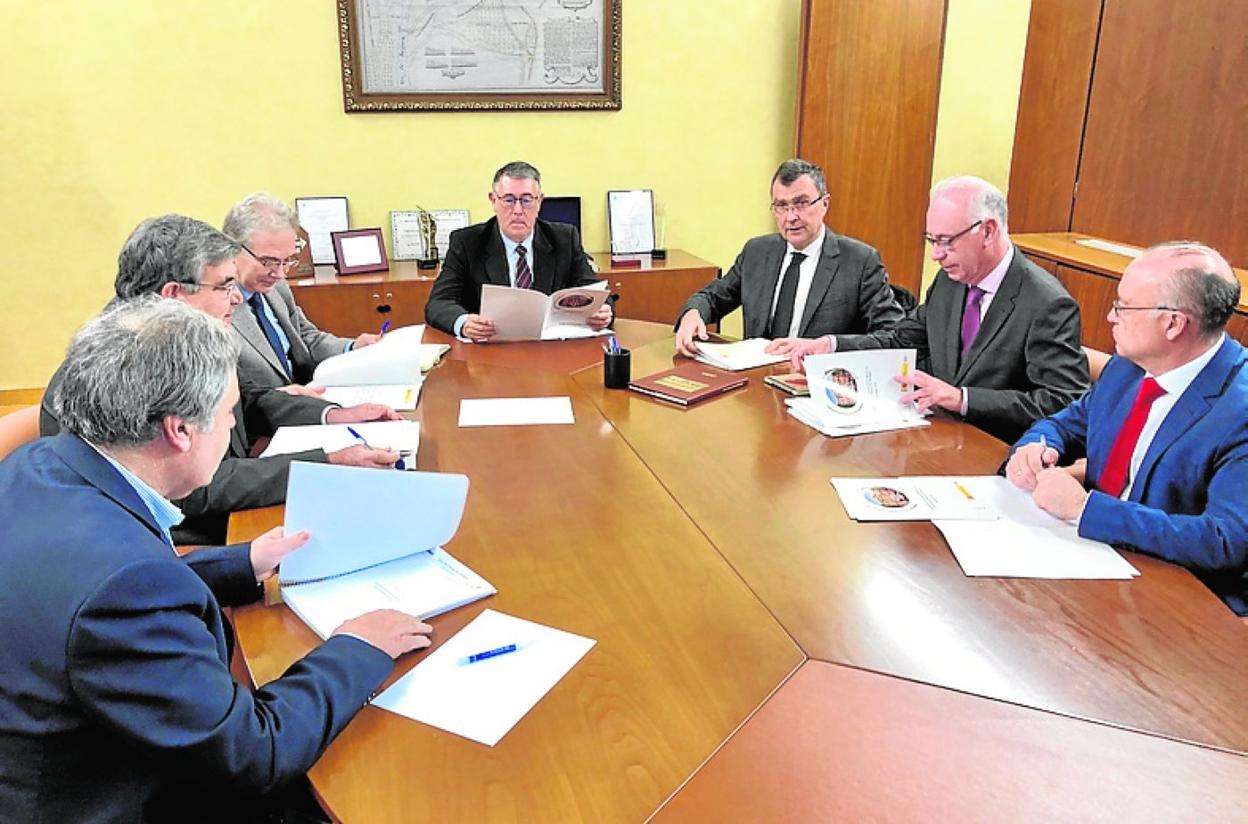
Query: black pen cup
<point x="617" y="369"/>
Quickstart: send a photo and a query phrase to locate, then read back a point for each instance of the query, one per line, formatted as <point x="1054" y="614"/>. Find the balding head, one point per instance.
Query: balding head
<point x="966" y="227"/>
<point x="1198" y="280"/>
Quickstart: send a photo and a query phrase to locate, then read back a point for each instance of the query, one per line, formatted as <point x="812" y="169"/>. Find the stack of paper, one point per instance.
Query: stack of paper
<point x="400" y="436"/>
<point x="739" y="355"/>
<point x="395" y="396"/>
<point x="853" y="393"/>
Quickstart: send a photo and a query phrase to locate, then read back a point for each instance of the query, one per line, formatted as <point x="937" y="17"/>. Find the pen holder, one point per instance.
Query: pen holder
<point x="617" y="369"/>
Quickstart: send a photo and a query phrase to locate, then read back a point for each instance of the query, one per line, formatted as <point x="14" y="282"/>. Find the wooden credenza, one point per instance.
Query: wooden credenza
<point x="1091" y="276"/>
<point x="350" y="304"/>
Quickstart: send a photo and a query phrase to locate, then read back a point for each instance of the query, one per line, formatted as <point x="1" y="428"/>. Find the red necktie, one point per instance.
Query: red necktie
<point x="1114" y="477"/>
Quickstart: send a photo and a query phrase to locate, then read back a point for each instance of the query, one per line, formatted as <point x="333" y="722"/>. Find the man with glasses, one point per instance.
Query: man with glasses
<point x="1164" y="430"/>
<point x="997" y="337"/>
<point x="513" y="248"/>
<point x="280" y="346"/>
<point x="804" y="281"/>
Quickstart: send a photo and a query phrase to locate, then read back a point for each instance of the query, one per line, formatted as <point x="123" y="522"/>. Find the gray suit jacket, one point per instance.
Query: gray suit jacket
<point x="849" y="292"/>
<point x="1026" y="362"/>
<point x="258" y="365"/>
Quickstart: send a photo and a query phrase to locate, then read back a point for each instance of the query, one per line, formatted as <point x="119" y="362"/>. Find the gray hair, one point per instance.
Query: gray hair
<point x="258" y="212"/>
<point x="791" y="170"/>
<point x="139" y="362"/>
<point x="169" y="249"/>
<point x="983" y="200"/>
<point x="518" y="170"/>
<point x="1203" y="284"/>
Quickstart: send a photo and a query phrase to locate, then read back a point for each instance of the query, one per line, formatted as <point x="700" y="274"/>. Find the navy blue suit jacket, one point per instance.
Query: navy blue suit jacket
<point x="116" y="698"/>
<point x="1188" y="502"/>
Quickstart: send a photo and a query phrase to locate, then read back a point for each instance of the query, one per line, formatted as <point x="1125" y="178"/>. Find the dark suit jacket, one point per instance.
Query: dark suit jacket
<point x="1026" y="361"/>
<point x="117" y="696"/>
<point x="240" y="482"/>
<point x="475" y="256"/>
<point x="849" y="292"/>
<point x="258" y="365"/>
<point x="1187" y="502"/>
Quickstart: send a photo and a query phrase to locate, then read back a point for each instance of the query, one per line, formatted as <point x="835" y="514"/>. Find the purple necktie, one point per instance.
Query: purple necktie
<point x="524" y="276"/>
<point x="970" y="318"/>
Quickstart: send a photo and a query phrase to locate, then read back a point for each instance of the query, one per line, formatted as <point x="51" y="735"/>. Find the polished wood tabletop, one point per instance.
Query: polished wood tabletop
<point x="839" y="744"/>
<point x="1159" y="653"/>
<point x="707" y="554"/>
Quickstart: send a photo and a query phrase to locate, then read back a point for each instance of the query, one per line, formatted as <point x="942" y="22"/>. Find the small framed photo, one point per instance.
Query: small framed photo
<point x="359" y="250"/>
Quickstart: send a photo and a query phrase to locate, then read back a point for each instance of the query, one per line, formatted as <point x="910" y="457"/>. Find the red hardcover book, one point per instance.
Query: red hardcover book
<point x="686" y="385"/>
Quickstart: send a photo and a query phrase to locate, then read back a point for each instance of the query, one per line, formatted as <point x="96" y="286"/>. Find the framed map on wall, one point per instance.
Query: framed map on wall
<point x="479" y="55"/>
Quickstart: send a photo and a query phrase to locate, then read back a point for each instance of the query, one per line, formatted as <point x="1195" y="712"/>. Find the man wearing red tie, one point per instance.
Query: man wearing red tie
<point x="1164" y="430"/>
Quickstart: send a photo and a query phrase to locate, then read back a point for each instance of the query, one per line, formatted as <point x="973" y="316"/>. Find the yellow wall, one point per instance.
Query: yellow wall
<point x="979" y="85"/>
<point x="133" y="109"/>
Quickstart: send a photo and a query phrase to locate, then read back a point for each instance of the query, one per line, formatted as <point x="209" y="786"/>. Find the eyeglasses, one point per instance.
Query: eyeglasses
<point x="1116" y="309"/>
<point x="226" y="285"/>
<point x="526" y="202"/>
<point x="947" y="242"/>
<point x="272" y="263"/>
<point x="798" y="204"/>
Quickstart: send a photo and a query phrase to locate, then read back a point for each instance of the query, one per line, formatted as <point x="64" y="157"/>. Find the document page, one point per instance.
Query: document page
<point x="395" y="359"/>
<point x="515" y="411"/>
<point x="401" y="436"/>
<point x="852" y="393"/>
<point x="482" y="700"/>
<point x="526" y="314"/>
<point x="738" y="355"/>
<point x="396" y="396"/>
<point x="1009" y="549"/>
<point x="917" y="498"/>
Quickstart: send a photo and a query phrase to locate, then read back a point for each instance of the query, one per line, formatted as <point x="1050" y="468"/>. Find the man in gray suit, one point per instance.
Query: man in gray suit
<point x="280" y="346"/>
<point x="997" y="338"/>
<point x="805" y="281"/>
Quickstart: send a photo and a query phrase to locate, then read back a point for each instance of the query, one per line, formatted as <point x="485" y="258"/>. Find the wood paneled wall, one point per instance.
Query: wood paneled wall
<point x="866" y="113"/>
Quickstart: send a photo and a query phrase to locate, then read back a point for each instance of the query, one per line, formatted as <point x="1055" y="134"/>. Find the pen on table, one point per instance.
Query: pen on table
<point x="964" y="490"/>
<point x="397" y="464"/>
<point x="385" y="327"/>
<point x="489" y="653"/>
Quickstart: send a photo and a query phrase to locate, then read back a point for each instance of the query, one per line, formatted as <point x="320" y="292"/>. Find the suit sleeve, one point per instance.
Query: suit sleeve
<point x="1057" y="372"/>
<point x="143" y="661"/>
<point x="245" y="483"/>
<point x="1066" y="430"/>
<point x="447" y="298"/>
<point x="719" y="297"/>
<point x="910" y="332"/>
<point x="227" y="571"/>
<point x="265" y="409"/>
<point x="320" y="344"/>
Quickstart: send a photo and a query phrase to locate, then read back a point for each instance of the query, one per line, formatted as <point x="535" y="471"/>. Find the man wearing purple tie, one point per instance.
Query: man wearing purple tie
<point x="997" y="337"/>
<point x="513" y="248"/>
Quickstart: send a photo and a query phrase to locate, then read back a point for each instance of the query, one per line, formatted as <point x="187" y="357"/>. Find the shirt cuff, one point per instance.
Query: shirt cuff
<point x="325" y="411"/>
<point x="831" y="343"/>
<point x="1087" y="497"/>
<point x="458" y="328"/>
<point x="348" y="346"/>
<point x="966" y="402"/>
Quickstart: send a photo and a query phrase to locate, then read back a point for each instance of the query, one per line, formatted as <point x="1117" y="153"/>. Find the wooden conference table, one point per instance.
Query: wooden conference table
<point x="706" y="553"/>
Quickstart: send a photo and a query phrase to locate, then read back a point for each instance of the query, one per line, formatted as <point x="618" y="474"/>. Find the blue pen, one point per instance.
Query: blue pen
<point x="384" y="327"/>
<point x="489" y="653"/>
<point x="397" y="464"/>
<point x="615" y="346"/>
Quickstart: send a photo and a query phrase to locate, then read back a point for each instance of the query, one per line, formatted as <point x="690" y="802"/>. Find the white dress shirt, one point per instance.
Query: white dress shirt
<point x="805" y="275"/>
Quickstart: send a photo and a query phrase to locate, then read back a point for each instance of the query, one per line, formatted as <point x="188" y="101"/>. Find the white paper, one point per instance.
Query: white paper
<point x="447" y="220"/>
<point x="1108" y="246"/>
<point x="363" y="250"/>
<point x="816" y="417"/>
<point x="395" y="359"/>
<point x="362" y="517"/>
<point x="630" y="215"/>
<point x="515" y="411"/>
<point x="526" y="314"/>
<point x="482" y="701"/>
<point x="738" y="355"/>
<point x="319" y="216"/>
<point x="400" y="436"/>
<point x="919" y="498"/>
<point x="853" y="393"/>
<point x="396" y="396"/>
<point x="407" y="240"/>
<point x="1009" y="549"/>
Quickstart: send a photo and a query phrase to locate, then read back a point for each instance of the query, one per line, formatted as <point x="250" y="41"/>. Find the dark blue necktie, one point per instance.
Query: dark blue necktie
<point x="256" y="302"/>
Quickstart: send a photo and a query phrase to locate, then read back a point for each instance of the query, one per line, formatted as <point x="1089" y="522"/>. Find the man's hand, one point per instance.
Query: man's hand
<point x="389" y="630"/>
<point x="362" y="412"/>
<point x="366" y="456"/>
<point x="599" y="320"/>
<point x="1059" y="494"/>
<point x="299" y="390"/>
<point x="929" y="392"/>
<point x="1029" y="461"/>
<point x="798" y="348"/>
<point x="692" y="329"/>
<point x="269" y="549"/>
<point x="478" y="328"/>
<point x="366" y="339"/>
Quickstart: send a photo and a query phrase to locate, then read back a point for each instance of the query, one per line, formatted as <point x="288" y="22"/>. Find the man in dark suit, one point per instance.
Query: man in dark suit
<point x="513" y="248"/>
<point x="187" y="260"/>
<point x="805" y="281"/>
<point x="997" y="338"/>
<point x="1164" y="430"/>
<point x="118" y="704"/>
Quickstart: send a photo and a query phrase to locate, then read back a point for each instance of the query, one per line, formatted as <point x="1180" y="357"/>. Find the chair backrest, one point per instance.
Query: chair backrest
<point x="17" y="428"/>
<point x="1096" y="361"/>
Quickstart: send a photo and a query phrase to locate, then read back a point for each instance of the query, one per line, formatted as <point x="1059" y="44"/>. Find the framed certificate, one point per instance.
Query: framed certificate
<point x="448" y="220"/>
<point x="630" y="220"/>
<point x="407" y="238"/>
<point x="319" y="216"/>
<point x="359" y="250"/>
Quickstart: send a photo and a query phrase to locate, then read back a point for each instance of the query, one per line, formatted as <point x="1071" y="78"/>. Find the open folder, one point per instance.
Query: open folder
<point x="376" y="543"/>
<point x="387" y="372"/>
<point x="526" y="314"/>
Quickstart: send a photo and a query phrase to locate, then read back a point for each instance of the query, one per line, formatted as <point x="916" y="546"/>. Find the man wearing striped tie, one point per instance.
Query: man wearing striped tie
<point x="513" y="248"/>
<point x="1164" y="429"/>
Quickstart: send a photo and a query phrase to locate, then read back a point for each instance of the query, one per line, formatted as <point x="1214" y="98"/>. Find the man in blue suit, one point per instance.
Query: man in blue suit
<point x="1164" y="430"/>
<point x="117" y="702"/>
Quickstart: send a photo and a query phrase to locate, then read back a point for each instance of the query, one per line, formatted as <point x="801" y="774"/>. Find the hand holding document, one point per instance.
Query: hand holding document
<point x="398" y="436"/>
<point x="853" y="393"/>
<point x="526" y="314"/>
<point x="482" y="681"/>
<point x="738" y="355"/>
